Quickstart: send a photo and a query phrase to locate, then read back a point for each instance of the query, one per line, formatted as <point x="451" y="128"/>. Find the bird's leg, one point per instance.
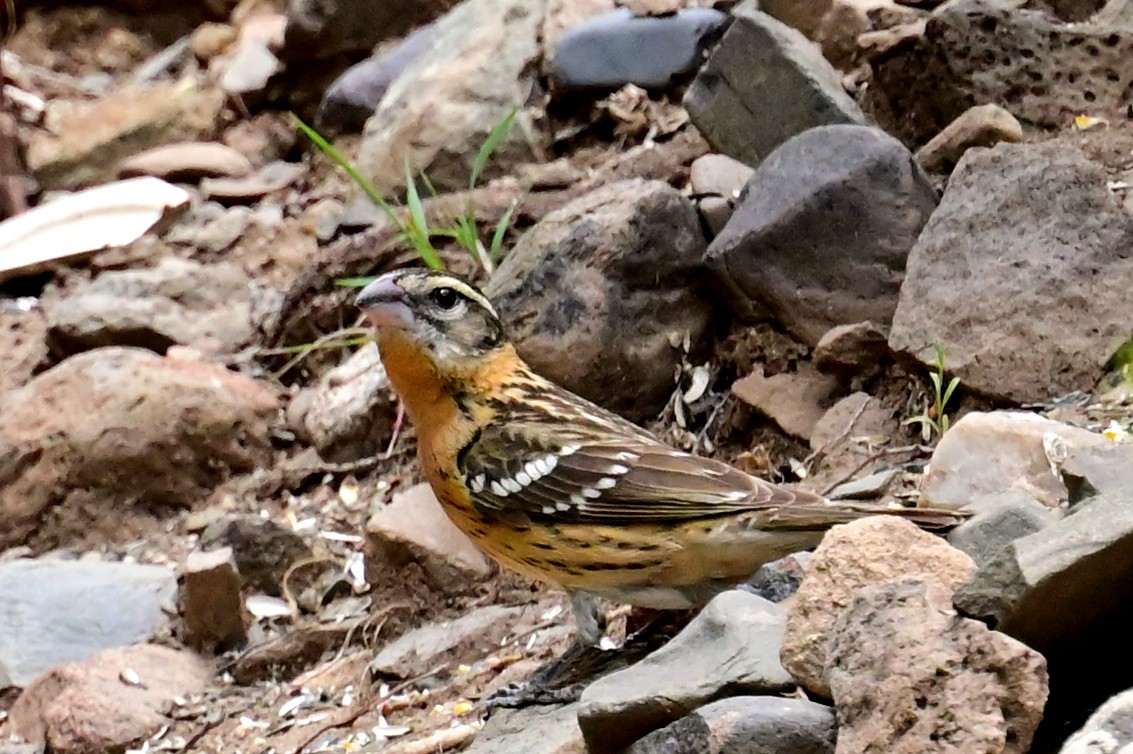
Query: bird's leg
<point x="561" y="679"/>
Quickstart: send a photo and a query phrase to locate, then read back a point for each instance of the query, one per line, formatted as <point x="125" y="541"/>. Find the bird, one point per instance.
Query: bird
<point x="565" y="492"/>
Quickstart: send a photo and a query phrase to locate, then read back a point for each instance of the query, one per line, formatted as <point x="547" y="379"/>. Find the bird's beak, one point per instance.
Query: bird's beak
<point x="383" y="303"/>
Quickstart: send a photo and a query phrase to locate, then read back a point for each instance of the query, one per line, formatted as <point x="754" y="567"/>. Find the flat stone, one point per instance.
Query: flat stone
<point x="858" y="415"/>
<point x="348" y="414"/>
<point x="85" y="147"/>
<point x="414" y="528"/>
<point x="796" y="401"/>
<point x="186" y="162"/>
<point x="51" y="605"/>
<point x="734" y="646"/>
<point x="1029" y="233"/>
<point x="247" y="189"/>
<point x="211" y="602"/>
<point x="874" y="550"/>
<point x="747" y="724"/>
<point x="866" y="488"/>
<point x="532" y="730"/>
<point x="822" y="232"/>
<point x="986" y="453"/>
<point x="599" y="294"/>
<point x="909" y="676"/>
<point x="1096" y="468"/>
<point x="979" y="126"/>
<point x="317" y="31"/>
<point x="1002" y="518"/>
<point x="620" y="48"/>
<point x="178" y="302"/>
<point x="746" y="116"/>
<point x="93" y="706"/>
<point x="453" y="641"/>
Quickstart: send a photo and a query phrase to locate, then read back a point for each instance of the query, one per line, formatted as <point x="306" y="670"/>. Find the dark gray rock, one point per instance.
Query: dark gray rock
<point x="263" y="550"/>
<point x="354" y="95"/>
<point x="620" y="48"/>
<point x="733" y="645"/>
<point x="779" y="579"/>
<point x="747" y="725"/>
<point x="532" y="730"/>
<point x="746" y="115"/>
<point x="59" y="611"/>
<point x="467" y="637"/>
<point x="910" y="676"/>
<point x="178" y="302"/>
<point x="822" y="231"/>
<point x="1002" y="518"/>
<point x="1026" y="234"/>
<point x="600" y="294"/>
<point x="1096" y="469"/>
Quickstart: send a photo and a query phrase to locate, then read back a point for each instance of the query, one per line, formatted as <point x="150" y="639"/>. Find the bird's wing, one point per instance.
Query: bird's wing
<point x="619" y="477"/>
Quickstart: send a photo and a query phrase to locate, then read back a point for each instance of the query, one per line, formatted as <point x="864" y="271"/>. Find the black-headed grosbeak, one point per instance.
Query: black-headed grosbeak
<point x="564" y="491"/>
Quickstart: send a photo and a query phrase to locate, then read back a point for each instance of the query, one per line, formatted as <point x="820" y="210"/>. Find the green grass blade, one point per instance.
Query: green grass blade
<point x="354" y="282"/>
<point x="494" y="138"/>
<point x="340" y="159"/>
<point x="496" y="246"/>
<point x="418" y="231"/>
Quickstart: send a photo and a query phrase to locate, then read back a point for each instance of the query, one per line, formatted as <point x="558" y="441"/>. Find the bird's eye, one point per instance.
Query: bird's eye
<point x="445" y="298"/>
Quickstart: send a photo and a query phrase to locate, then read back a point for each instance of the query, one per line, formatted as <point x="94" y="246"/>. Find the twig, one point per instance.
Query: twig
<point x="883" y="453"/>
<point x="448" y="738"/>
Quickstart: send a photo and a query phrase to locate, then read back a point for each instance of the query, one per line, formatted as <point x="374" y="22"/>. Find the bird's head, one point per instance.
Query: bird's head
<point x="445" y="318"/>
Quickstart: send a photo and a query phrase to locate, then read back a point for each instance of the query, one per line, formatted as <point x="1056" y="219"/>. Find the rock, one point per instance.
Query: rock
<point x="909" y="676"/>
<point x="779" y="579"/>
<point x="348" y="414"/>
<point x="796" y="401"/>
<point x="87" y="144"/>
<point x="126" y="424"/>
<point x="874" y="550"/>
<point x="1044" y="72"/>
<point x="746" y="724"/>
<point x="262" y="550"/>
<point x="319" y="31"/>
<point x="1110" y="728"/>
<point x="746" y="116"/>
<point x="850" y="350"/>
<point x="734" y="646"/>
<point x="821" y="234"/>
<point x="804" y="15"/>
<point x="186" y="162"/>
<point x="1002" y="519"/>
<point x="840" y="31"/>
<point x="211" y="39"/>
<point x="1070" y="272"/>
<point x="531" y="730"/>
<point x="620" y="48"/>
<point x="261" y="138"/>
<point x="211" y="602"/>
<point x="414" y="528"/>
<point x="866" y="488"/>
<point x="465" y="639"/>
<point x="96" y="705"/>
<point x="979" y="126"/>
<point x="1094" y="469"/>
<point x="599" y="295"/>
<point x="23" y="346"/>
<point x="1046" y="590"/>
<point x="857" y="415"/>
<point x="51" y="605"/>
<point x="986" y="453"/>
<point x="249" y="64"/>
<point x="248" y="189"/>
<point x="354" y="95"/>
<point x="435" y="116"/>
<point x="210" y="227"/>
<point x="715" y="211"/>
<point x="718" y="175"/>
<point x="178" y="302"/>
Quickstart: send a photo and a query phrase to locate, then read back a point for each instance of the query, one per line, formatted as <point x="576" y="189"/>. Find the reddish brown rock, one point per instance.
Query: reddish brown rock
<point x="211" y="601"/>
<point x="910" y="676"/>
<point x="874" y="550"/>
<point x="107" y="702"/>
<point x="128" y="425"/>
